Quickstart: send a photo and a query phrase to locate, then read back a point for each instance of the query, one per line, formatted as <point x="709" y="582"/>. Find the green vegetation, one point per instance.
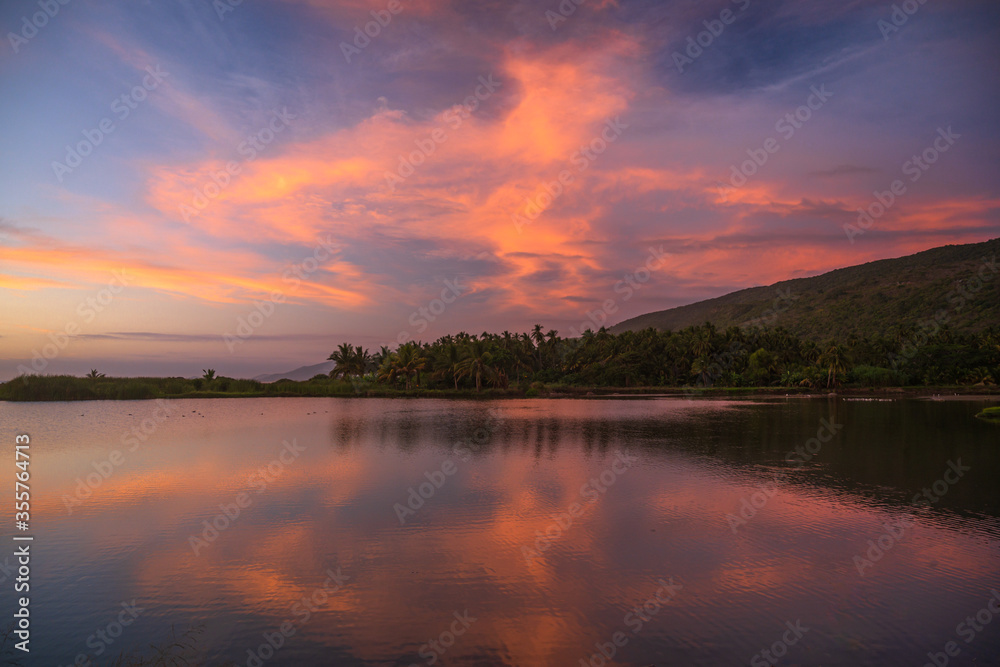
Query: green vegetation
<point x="70" y="388"/>
<point x="697" y="357"/>
<point x="542" y="363"/>
<point x="959" y="282"/>
<point x="990" y="415"/>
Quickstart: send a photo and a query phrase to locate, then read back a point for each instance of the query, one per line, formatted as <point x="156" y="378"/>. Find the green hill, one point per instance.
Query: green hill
<point x="863" y="300"/>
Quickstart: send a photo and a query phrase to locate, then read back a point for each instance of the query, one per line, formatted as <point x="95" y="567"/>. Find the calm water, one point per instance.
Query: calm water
<point x="515" y="557"/>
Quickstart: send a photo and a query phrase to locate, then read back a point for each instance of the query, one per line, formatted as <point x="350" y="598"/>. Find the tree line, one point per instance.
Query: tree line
<point x="698" y="356"/>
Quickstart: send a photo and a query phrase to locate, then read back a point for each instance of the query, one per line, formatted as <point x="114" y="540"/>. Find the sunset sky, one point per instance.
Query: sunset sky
<point x="175" y="172"/>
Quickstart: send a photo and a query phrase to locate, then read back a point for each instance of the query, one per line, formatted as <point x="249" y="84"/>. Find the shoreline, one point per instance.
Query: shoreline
<point x="985" y="393"/>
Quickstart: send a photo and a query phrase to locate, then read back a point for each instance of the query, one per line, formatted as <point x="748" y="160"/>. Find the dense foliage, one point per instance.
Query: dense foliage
<point x="696" y="356"/>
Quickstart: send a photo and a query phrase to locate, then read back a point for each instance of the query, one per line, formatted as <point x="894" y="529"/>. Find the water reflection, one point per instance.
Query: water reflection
<point x="497" y="481"/>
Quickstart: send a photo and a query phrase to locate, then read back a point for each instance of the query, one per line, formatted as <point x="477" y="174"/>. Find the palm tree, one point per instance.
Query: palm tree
<point x="93" y="374"/>
<point x="476" y="362"/>
<point x="209" y="374"/>
<point x="537" y="335"/>
<point x="380" y="356"/>
<point x="343" y="360"/>
<point x="701" y="370"/>
<point x="388" y="369"/>
<point x="980" y="375"/>
<point x="409" y="362"/>
<point x="835" y="358"/>
<point x="539" y="338"/>
<point x="811" y="352"/>
<point x="360" y="361"/>
<point x="702" y="346"/>
<point x="448" y="363"/>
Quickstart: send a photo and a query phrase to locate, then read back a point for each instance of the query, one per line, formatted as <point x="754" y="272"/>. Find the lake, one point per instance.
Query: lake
<point x="653" y="531"/>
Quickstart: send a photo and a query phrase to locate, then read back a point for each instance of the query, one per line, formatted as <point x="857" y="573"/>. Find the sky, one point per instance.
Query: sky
<point x="244" y="186"/>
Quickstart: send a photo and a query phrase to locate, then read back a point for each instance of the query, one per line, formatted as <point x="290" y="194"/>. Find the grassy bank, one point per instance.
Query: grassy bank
<point x="71" y="388"/>
<point x="990" y="415"/>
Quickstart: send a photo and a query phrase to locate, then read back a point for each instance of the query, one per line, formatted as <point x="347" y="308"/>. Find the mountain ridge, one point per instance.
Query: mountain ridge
<point x="300" y="374"/>
<point x="858" y="300"/>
